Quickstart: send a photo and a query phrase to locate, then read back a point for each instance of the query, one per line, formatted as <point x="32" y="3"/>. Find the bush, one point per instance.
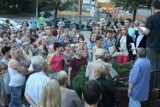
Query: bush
<point x="79" y="81"/>
<point x="122" y="68"/>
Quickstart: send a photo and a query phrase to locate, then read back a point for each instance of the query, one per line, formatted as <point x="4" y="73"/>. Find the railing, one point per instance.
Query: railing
<point x="123" y="82"/>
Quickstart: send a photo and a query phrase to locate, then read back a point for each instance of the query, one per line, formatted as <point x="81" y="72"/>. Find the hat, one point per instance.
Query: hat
<point x="100" y="52"/>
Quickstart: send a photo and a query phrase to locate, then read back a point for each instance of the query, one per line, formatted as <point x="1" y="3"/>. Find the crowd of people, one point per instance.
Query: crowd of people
<point x="42" y="62"/>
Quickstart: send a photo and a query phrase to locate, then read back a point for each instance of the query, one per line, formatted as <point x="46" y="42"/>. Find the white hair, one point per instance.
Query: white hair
<point x="37" y="63"/>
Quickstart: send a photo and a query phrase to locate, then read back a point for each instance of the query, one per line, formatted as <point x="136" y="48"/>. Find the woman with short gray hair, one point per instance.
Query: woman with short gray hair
<point x="69" y="97"/>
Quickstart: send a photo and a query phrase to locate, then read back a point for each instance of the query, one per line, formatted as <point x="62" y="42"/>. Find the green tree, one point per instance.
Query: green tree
<point x="56" y="5"/>
<point x="132" y="5"/>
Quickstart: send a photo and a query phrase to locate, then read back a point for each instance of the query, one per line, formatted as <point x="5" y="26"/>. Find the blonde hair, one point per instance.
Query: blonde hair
<point x="25" y="44"/>
<point x="100" y="70"/>
<point x="51" y="96"/>
<point x="61" y="77"/>
<point x="45" y="38"/>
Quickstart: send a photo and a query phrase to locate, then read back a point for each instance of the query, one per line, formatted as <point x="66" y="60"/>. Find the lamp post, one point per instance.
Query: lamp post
<point x="37" y="9"/>
<point x="80" y="13"/>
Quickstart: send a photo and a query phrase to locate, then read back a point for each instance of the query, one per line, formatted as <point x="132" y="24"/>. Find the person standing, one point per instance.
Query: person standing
<point x="41" y="20"/>
<point x="153" y="44"/>
<point x="139" y="79"/>
<point x="17" y="78"/>
<point x="91" y="93"/>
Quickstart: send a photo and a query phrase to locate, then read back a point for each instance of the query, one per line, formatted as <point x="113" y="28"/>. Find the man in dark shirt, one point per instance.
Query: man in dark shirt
<point x="153" y="44"/>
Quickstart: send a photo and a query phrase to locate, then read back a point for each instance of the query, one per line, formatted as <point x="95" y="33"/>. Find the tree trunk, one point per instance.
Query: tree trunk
<point x="1" y="6"/>
<point x="134" y="14"/>
<point x="55" y="17"/>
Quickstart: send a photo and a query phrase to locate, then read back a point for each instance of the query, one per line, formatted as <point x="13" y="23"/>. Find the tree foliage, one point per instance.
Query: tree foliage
<point x="56" y="5"/>
<point x="132" y="5"/>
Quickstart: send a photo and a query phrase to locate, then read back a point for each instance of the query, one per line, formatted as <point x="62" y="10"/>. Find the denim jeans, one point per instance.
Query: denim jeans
<point x="134" y="103"/>
<point x="16" y="96"/>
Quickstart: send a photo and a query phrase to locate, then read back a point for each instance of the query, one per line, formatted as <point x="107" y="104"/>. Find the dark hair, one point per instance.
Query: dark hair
<point x="5" y="49"/>
<point x="129" y="20"/>
<point x="92" y="91"/>
<point x="109" y="31"/>
<point x="81" y="36"/>
<point x="2" y="33"/>
<point x="156" y="4"/>
<point x="7" y="21"/>
<point x="98" y="38"/>
<point x="57" y="45"/>
<point x="65" y="44"/>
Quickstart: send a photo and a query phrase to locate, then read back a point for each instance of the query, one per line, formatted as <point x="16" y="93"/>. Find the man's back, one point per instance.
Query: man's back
<point x="34" y="85"/>
<point x="140" y="76"/>
<point x="153" y="24"/>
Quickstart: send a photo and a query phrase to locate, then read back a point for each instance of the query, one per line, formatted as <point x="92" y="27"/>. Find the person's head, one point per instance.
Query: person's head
<point x="100" y="54"/>
<point x="45" y="40"/>
<point x="19" y="34"/>
<point x="142" y="23"/>
<point x="67" y="46"/>
<point x="6" y="50"/>
<point x="26" y="39"/>
<point x="93" y="38"/>
<point x="51" y="96"/>
<point x="136" y="23"/>
<point x="155" y="5"/>
<point x="12" y="31"/>
<point x="37" y="63"/>
<point x="124" y="30"/>
<point x="33" y="32"/>
<point x="3" y="66"/>
<point x="100" y="71"/>
<point x="62" y="78"/>
<point x="97" y="30"/>
<point x="91" y="92"/>
<point x="48" y="32"/>
<point x="109" y="33"/>
<point x="4" y="34"/>
<point x="98" y="40"/>
<point x="128" y="22"/>
<point x="15" y="52"/>
<point x="58" y="47"/>
<point x="80" y="38"/>
<point x="25" y="45"/>
<point x="79" y="50"/>
<point x="141" y="52"/>
<point x="38" y="42"/>
<point x="13" y="37"/>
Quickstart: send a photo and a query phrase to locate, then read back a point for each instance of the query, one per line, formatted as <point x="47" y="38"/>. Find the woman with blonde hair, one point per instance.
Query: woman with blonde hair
<point x="109" y="93"/>
<point x="124" y="46"/>
<point x="51" y="96"/>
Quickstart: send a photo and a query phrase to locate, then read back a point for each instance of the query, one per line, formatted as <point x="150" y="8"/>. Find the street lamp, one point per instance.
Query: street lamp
<point x="37" y="9"/>
<point x="80" y="12"/>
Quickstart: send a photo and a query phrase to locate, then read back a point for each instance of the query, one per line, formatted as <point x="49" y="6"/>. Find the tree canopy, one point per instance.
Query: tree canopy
<point x="132" y="5"/>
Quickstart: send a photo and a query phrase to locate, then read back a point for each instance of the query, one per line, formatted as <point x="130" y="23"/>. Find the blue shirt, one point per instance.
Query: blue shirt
<point x="90" y="49"/>
<point x="140" y="77"/>
<point x="106" y="44"/>
<point x="131" y="32"/>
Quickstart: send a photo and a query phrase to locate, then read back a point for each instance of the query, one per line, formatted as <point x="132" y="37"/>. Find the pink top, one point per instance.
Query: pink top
<point x="57" y="63"/>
